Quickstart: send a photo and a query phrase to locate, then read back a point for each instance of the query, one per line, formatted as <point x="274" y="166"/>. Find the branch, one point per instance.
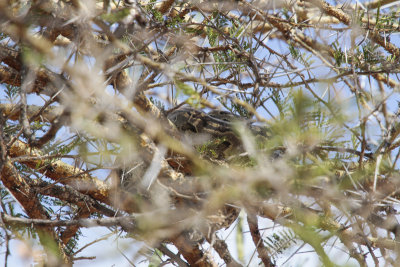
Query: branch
<point x="71" y="195"/>
<point x="378" y="3"/>
<point x="28" y="199"/>
<point x="191" y="252"/>
<point x="346" y="19"/>
<point x="71" y="230"/>
<point x="222" y="249"/>
<point x="62" y="172"/>
<point x="11" y="75"/>
<point x="172" y="256"/>
<point x="258" y="241"/>
<point x="283" y="214"/>
<point x="12" y="112"/>
<point x="128" y="223"/>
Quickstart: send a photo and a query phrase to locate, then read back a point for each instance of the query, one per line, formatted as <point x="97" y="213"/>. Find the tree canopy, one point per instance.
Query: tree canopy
<point x="174" y="124"/>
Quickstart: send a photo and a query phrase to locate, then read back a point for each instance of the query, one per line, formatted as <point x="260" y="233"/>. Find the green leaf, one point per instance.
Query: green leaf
<point x="194" y="97"/>
<point x="116" y="16"/>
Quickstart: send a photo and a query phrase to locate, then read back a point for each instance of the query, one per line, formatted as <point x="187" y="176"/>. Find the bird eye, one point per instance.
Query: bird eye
<point x="172" y="118"/>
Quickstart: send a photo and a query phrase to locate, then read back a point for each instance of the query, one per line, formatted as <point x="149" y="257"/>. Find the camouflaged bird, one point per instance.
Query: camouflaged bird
<point x="217" y="124"/>
<point x="197" y="121"/>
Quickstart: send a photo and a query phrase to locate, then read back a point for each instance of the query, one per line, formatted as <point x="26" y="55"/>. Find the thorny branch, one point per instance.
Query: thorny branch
<point x="94" y="85"/>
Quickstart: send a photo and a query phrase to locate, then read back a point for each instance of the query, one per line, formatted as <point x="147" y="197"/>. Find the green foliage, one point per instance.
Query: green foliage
<point x="216" y="26"/>
<point x="116" y="16"/>
<point x="32" y="56"/>
<point x="160" y="105"/>
<point x="11" y="93"/>
<point x="305" y="58"/>
<point x="73" y="243"/>
<point x="298" y="113"/>
<point x="219" y="20"/>
<point x="212" y="36"/>
<point x="338" y="54"/>
<point x="96" y="152"/>
<point x="58" y="148"/>
<point x="235" y="30"/>
<point x="193" y="99"/>
<point x="236" y="108"/>
<point x="216" y="148"/>
<point x="278" y="242"/>
<point x="295" y="52"/>
<point x="155" y="259"/>
<point x="3" y="36"/>
<point x="153" y="11"/>
<point x="310" y="236"/>
<point x="174" y="23"/>
<point x="5" y="197"/>
<point x="388" y="21"/>
<point x="385" y="21"/>
<point x="370" y="53"/>
<point x="239" y="239"/>
<point x="39" y="126"/>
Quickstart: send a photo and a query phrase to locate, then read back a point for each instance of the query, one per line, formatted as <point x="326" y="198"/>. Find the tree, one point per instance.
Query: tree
<point x="167" y="122"/>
